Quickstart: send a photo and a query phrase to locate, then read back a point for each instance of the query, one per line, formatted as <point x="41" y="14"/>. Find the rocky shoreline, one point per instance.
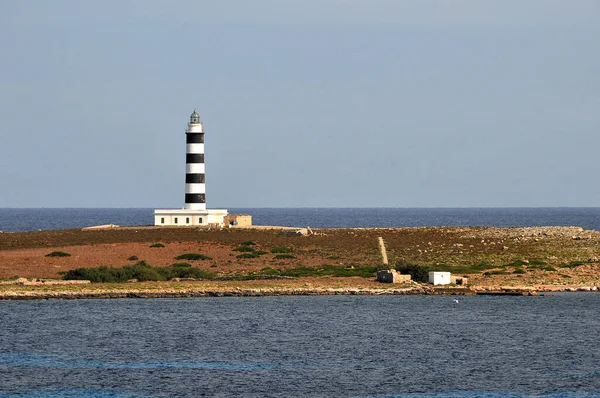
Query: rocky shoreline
<point x="262" y="292"/>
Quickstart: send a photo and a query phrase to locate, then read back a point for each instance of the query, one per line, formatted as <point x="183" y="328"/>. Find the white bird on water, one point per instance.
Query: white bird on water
<point x="456" y="301"/>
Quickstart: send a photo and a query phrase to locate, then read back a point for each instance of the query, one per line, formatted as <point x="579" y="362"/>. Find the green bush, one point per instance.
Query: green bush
<point x="269" y="271"/>
<point x="365" y="271"/>
<point x="247" y="255"/>
<point x="572" y="264"/>
<point x="247" y="243"/>
<point x="284" y="256"/>
<point x="156" y="245"/>
<point x="133" y="258"/>
<point x="465" y="268"/>
<point x="140" y="271"/>
<point x="58" y="254"/>
<point x="495" y="272"/>
<point x="418" y="273"/>
<point x="192" y="256"/>
<point x="516" y="263"/>
<point x="281" y="249"/>
<point x="182" y="264"/>
<point x="246" y="249"/>
<point x="260" y="252"/>
<point x="537" y="261"/>
<point x="519" y="271"/>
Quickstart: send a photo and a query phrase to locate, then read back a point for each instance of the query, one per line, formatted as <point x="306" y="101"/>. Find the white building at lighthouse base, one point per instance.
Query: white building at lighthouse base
<point x="190" y="218"/>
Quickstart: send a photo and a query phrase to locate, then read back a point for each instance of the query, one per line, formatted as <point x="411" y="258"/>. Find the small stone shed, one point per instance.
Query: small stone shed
<point x="239" y="220"/>
<point x="391" y="276"/>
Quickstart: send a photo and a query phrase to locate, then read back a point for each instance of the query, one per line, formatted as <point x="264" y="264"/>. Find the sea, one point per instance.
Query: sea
<point x="325" y="346"/>
<point x="16" y="219"/>
<point x="302" y="346"/>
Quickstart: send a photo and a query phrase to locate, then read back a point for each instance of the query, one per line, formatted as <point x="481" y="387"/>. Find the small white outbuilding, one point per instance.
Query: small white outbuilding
<point x="439" y="278"/>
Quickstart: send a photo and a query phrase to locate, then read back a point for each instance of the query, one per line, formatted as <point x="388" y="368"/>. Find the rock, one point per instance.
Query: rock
<point x="133" y="258"/>
<point x="298" y="232"/>
<point x="105" y="226"/>
<point x="21" y="281"/>
<point x="584" y="289"/>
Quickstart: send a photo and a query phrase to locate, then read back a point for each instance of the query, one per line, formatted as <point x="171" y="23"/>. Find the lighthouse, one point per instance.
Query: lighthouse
<point x="194" y="211"/>
<point x="195" y="188"/>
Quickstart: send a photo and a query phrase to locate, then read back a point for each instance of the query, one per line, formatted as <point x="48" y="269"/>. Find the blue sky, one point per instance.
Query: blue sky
<point x="316" y="103"/>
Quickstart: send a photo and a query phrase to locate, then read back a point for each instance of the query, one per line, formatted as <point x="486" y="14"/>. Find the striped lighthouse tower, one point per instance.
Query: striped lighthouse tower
<point x="195" y="213"/>
<point x="195" y="188"/>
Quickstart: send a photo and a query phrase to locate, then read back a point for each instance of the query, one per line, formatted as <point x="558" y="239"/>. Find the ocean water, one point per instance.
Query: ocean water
<point x="328" y="346"/>
<point x="12" y="220"/>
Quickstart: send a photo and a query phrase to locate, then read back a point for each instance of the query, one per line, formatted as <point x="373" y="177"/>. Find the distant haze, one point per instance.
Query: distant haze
<point x="305" y="103"/>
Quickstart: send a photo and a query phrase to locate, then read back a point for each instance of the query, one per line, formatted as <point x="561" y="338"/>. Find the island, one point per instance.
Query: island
<point x="148" y="261"/>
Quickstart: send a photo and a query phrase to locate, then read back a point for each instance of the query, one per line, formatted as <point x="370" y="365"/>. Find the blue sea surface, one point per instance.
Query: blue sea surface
<point x="327" y="346"/>
<point x="12" y="220"/>
<point x="346" y="346"/>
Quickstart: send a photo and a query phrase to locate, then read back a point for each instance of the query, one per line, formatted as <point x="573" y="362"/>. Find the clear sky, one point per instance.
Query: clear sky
<point x="305" y="103"/>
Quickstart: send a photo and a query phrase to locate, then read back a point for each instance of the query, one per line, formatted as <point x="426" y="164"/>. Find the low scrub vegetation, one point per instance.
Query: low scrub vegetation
<point x="252" y="254"/>
<point x="284" y="256"/>
<point x="192" y="256"/>
<point x="496" y="272"/>
<point x="572" y="264"/>
<point x="247" y="255"/>
<point x="58" y="254"/>
<point x="155" y="245"/>
<point x="417" y="273"/>
<point x="537" y="261"/>
<point x="244" y="248"/>
<point x="248" y="243"/>
<point x="281" y="249"/>
<point x="140" y="271"/>
<point x="181" y="264"/>
<point x="365" y="271"/>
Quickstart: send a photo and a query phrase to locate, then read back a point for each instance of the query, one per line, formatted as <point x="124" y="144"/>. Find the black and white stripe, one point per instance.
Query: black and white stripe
<point x="195" y="189"/>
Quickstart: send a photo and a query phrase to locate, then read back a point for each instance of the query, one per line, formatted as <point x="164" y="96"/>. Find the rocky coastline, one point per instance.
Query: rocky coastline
<point x="35" y="292"/>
